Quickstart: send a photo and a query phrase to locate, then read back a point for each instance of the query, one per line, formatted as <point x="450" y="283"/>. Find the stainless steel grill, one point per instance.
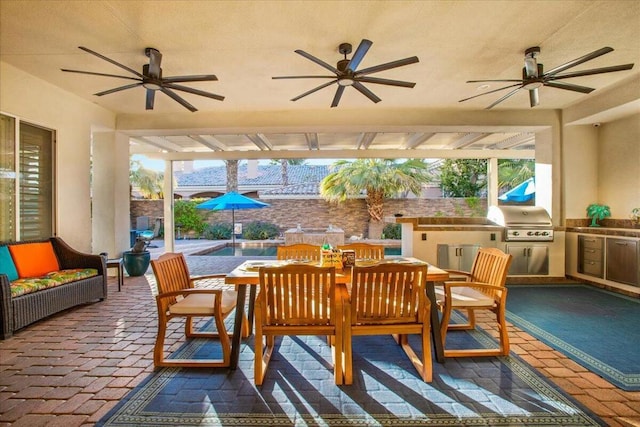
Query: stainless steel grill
<point x="522" y="223"/>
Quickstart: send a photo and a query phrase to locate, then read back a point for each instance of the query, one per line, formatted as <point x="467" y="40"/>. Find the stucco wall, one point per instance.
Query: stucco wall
<point x="619" y="165"/>
<point x="73" y="119"/>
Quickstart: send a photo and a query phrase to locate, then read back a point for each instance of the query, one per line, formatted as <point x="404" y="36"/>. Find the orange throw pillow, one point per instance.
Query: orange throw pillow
<point x="34" y="259"/>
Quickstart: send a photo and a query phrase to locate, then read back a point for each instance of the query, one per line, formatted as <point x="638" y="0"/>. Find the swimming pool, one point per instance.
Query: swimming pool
<point x="266" y="250"/>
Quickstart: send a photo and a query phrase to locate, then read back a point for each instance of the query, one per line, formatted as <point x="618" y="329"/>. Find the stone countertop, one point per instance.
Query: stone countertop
<point x="606" y="231"/>
<point x="451" y="224"/>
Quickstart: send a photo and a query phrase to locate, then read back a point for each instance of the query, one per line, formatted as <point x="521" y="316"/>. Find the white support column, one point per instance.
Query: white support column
<point x="545" y="187"/>
<point x="169" y="238"/>
<point x="110" y="193"/>
<point x="492" y="182"/>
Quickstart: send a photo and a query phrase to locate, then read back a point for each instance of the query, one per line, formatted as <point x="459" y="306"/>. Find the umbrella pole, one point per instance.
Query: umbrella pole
<point x="233" y="231"/>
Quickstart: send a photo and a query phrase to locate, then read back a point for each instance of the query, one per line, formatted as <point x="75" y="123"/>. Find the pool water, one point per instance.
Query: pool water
<point x="267" y="251"/>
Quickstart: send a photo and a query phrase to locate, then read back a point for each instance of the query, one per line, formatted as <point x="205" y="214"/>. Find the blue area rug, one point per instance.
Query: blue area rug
<point x="299" y="391"/>
<point x="598" y="329"/>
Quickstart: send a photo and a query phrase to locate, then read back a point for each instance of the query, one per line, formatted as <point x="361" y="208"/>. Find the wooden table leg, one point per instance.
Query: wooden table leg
<point x="252" y="303"/>
<point x="435" y="323"/>
<point x="236" y="340"/>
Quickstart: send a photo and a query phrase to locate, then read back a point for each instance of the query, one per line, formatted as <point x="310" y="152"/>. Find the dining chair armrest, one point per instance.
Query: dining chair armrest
<point x="189" y="291"/>
<point x="498" y="292"/>
<point x="196" y="278"/>
<point x="465" y="274"/>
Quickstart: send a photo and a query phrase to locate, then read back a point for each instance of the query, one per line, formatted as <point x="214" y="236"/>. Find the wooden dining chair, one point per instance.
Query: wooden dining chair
<point x="389" y="299"/>
<point x="178" y="297"/>
<point x="299" y="251"/>
<point x="483" y="289"/>
<point x="365" y="250"/>
<point x="297" y="300"/>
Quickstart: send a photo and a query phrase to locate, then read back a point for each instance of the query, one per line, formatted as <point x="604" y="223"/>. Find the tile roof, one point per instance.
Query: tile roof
<point x="266" y="175"/>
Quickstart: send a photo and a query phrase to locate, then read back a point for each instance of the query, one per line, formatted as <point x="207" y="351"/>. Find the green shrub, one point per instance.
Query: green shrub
<point x="392" y="231"/>
<point x="258" y="230"/>
<point x="188" y="217"/>
<point x="218" y="231"/>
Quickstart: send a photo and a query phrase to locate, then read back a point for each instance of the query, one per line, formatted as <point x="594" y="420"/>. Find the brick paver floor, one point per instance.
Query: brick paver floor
<point x="72" y="368"/>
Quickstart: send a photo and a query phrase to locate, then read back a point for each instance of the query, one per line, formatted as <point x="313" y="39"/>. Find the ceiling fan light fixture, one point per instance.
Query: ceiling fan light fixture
<point x="345" y="81"/>
<point x="151" y="85"/>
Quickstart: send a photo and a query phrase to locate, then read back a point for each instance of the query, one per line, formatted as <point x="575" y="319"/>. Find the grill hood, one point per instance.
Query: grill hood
<point x="519" y="216"/>
<point x="522" y="223"/>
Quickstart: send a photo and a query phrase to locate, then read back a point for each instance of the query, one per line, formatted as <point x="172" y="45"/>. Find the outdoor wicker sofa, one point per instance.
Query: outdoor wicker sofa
<point x="81" y="285"/>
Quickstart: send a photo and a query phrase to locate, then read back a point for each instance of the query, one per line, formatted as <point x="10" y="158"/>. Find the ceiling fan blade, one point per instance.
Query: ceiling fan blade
<point x="318" y="61"/>
<point x="98" y="74"/>
<point x="118" y="89"/>
<point x="534" y="97"/>
<point x="194" y="91"/>
<point x="602" y="70"/>
<point x="151" y="96"/>
<point x="303" y="77"/>
<point x="568" y="86"/>
<point x="155" y="58"/>
<point x="359" y="54"/>
<point x="499" y="80"/>
<point x="366" y="92"/>
<point x="322" y="86"/>
<point x="503" y="98"/>
<point x="380" y="81"/>
<point x="491" y="91"/>
<point x="388" y="66"/>
<point x="578" y="61"/>
<point x="197" y="78"/>
<point x="117" y="64"/>
<point x="337" y="96"/>
<point x="178" y="99"/>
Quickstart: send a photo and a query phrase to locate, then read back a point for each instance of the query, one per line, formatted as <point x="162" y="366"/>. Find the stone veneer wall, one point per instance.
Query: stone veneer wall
<point x="351" y="215"/>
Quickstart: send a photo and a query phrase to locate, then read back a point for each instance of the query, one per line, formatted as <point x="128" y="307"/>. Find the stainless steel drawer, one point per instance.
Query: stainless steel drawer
<point x="592" y="268"/>
<point x="592" y="242"/>
<point x="590" y="254"/>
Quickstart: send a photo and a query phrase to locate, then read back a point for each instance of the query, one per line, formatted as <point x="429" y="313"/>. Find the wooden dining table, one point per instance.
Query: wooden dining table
<point x="246" y="275"/>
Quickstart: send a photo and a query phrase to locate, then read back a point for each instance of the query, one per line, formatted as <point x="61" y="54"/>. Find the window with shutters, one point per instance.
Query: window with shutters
<point x="26" y="180"/>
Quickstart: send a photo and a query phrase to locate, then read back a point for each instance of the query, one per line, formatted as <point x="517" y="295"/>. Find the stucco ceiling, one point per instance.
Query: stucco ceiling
<point x="246" y="43"/>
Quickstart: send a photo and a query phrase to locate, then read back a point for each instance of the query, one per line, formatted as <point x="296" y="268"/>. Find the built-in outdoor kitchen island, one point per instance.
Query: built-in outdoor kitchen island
<point x="451" y="242"/>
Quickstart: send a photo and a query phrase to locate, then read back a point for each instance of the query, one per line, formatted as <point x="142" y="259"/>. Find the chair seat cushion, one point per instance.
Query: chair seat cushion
<point x="53" y="279"/>
<point x="465" y="297"/>
<point x="202" y="304"/>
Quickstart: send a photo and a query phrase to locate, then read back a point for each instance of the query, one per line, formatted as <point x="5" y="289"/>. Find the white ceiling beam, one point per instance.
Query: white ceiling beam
<point x="365" y="139"/>
<point x="467" y="140"/>
<point x="209" y="141"/>
<point x="312" y="141"/>
<point x="348" y="154"/>
<point x="159" y="142"/>
<point x="417" y="139"/>
<point x="514" y="141"/>
<point x="261" y="141"/>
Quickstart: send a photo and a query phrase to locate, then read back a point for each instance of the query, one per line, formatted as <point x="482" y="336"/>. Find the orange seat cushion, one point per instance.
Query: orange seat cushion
<point x="34" y="259"/>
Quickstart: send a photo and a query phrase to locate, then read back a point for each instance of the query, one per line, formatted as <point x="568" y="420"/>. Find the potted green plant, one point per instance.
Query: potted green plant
<point x="597" y="213"/>
<point x="136" y="261"/>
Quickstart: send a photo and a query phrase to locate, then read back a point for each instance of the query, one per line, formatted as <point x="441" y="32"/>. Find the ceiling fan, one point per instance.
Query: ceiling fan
<point x="533" y="76"/>
<point x="346" y="73"/>
<point x="152" y="80"/>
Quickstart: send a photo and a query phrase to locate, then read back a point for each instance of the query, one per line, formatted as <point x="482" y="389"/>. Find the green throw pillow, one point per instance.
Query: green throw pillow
<point x="6" y="264"/>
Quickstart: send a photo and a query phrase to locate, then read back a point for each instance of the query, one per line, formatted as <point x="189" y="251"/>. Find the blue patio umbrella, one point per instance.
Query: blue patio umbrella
<point x="232" y="201"/>
<point x="523" y="192"/>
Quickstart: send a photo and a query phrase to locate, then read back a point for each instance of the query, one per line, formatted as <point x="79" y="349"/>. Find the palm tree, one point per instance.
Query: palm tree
<point x="512" y="172"/>
<point x="149" y="182"/>
<point x="377" y="179"/>
<point x="232" y="175"/>
<point x="284" y="167"/>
